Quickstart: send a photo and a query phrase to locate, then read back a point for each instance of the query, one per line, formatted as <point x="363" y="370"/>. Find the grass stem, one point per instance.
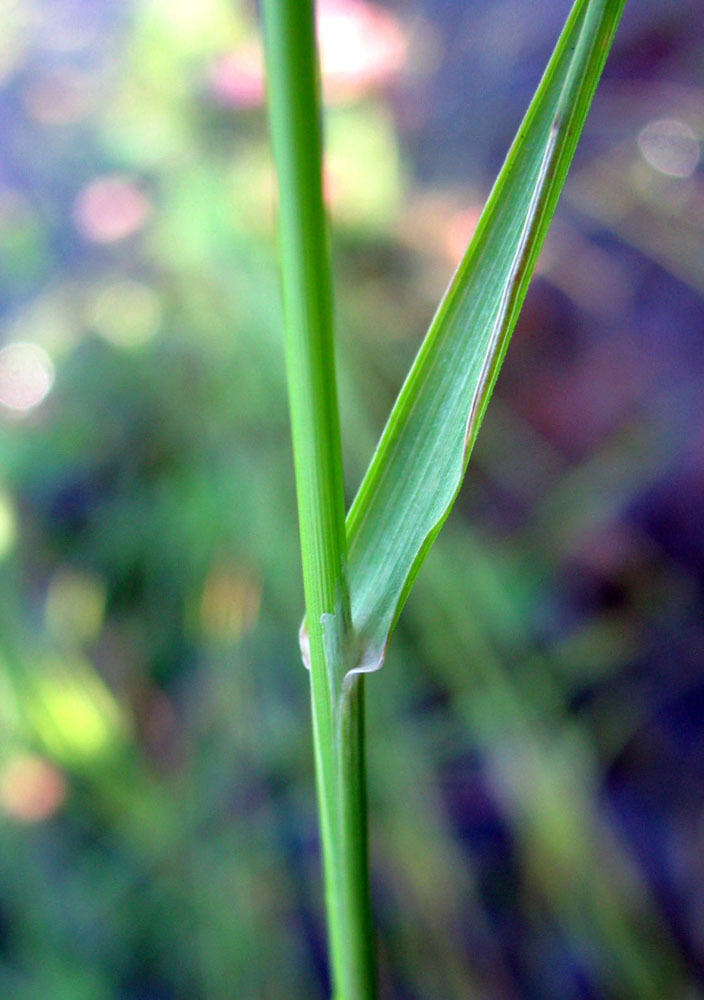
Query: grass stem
<point x="338" y="709"/>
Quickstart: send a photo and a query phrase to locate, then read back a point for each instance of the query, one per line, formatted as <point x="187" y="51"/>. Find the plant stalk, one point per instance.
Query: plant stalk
<point x="337" y="703"/>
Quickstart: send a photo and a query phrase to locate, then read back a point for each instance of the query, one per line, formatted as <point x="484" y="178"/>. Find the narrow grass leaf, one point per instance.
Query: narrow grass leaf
<point x="419" y="464"/>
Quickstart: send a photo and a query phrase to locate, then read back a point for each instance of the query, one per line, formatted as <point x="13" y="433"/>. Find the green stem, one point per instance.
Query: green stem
<point x="338" y="721"/>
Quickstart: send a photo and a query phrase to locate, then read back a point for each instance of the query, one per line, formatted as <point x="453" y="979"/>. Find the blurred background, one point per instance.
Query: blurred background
<point x="536" y="738"/>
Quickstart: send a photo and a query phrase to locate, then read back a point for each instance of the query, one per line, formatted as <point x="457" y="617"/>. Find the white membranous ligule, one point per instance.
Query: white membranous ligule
<point x="369" y="661"/>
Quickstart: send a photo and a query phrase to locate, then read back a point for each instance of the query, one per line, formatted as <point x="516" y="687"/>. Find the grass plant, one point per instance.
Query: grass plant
<point x="358" y="571"/>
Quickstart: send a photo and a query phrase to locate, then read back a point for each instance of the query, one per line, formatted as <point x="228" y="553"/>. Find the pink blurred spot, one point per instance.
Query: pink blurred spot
<point x="441" y="223"/>
<point x="362" y="47"/>
<point x="333" y="182"/>
<point x="58" y="97"/>
<point x="236" y="79"/>
<point x="459" y="232"/>
<point x="31" y="788"/>
<point x="110" y="209"/>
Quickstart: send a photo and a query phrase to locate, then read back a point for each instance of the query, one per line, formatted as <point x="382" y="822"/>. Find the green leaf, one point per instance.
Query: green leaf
<point x="419" y="463"/>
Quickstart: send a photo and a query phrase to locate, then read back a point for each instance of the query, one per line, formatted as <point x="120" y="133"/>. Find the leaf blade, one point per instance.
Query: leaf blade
<point x="418" y="467"/>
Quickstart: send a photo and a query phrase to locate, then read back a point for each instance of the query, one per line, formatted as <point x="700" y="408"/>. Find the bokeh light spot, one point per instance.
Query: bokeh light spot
<point x="110" y="209"/>
<point x="31" y="788"/>
<point x="230" y="604"/>
<point x="60" y="96"/>
<point x="125" y="313"/>
<point x="73" y="712"/>
<point x="26" y="375"/>
<point x="670" y="147"/>
<point x="237" y="78"/>
<point x="362" y="47"/>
